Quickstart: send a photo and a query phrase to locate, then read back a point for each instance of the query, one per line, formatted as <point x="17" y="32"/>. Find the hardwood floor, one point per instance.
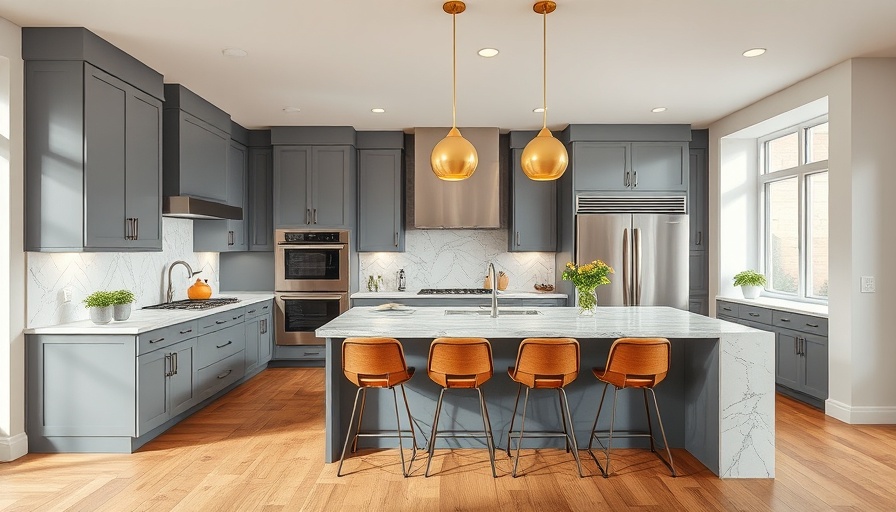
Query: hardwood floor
<point x="261" y="448"/>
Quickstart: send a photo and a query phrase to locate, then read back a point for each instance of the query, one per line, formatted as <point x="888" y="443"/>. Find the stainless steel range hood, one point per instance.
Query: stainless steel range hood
<point x="472" y="203"/>
<point x="188" y="207"/>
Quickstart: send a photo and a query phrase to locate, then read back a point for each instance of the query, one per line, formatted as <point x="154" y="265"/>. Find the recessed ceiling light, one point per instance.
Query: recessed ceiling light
<point x="488" y="52"/>
<point x="234" y="52"/>
<point x="291" y="110"/>
<point x="377" y="110"/>
<point x="754" y="52"/>
<point x="657" y="110"/>
<point x="538" y="110"/>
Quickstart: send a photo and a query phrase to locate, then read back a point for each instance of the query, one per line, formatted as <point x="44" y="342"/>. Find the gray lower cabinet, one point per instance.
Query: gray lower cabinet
<point x="259" y="336"/>
<point x="801" y="348"/>
<point x="698" y="204"/>
<point x="630" y="166"/>
<point x="533" y="211"/>
<point x="314" y="186"/>
<point x="165" y="384"/>
<point x="380" y="200"/>
<point x="260" y="204"/>
<point x="93" y="161"/>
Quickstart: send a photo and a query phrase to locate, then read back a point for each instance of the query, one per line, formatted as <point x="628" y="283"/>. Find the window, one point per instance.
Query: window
<point x="794" y="189"/>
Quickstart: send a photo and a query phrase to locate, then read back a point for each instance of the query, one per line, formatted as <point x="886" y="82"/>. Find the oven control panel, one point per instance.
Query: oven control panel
<point x="292" y="237"/>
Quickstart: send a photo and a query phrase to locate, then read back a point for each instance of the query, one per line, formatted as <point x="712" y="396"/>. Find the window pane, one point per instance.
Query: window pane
<point x="783" y="152"/>
<point x="817" y="185"/>
<point x="817" y="144"/>
<point x="784" y="234"/>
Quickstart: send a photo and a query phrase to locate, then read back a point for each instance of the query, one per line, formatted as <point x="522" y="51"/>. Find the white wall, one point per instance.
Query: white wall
<point x="13" y="442"/>
<point x="862" y="117"/>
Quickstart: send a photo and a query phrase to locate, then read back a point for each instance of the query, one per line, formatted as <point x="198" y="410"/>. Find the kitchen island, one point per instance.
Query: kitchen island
<point x="717" y="401"/>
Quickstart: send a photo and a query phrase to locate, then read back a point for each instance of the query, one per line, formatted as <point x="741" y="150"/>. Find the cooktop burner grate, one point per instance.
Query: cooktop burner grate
<point x="454" y="291"/>
<point x="195" y="304"/>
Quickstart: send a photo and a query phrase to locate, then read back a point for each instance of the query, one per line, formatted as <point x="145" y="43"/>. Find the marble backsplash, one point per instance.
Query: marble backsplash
<point x="456" y="258"/>
<point x="144" y="273"/>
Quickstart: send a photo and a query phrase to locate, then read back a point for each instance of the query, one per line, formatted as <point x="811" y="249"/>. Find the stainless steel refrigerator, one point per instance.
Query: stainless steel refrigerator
<point x="646" y="243"/>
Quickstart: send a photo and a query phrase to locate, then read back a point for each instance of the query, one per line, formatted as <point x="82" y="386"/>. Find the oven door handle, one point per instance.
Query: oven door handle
<point x="314" y="296"/>
<point x="337" y="247"/>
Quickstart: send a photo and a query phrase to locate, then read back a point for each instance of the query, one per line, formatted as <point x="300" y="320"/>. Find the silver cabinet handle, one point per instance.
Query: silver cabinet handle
<point x="802" y="346"/>
<point x="238" y="317"/>
<point x="264" y="325"/>
<point x="396" y="239"/>
<point x="785" y="319"/>
<point x="225" y="374"/>
<point x="136" y="228"/>
<point x="315" y="215"/>
<point x="174" y="358"/>
<point x="169" y="368"/>
<point x="699" y="237"/>
<point x="753" y="314"/>
<point x="811" y="325"/>
<point x="726" y="309"/>
<point x="187" y="331"/>
<point x="156" y="341"/>
<point x="265" y="307"/>
<point x="517" y="238"/>
<point x="219" y="322"/>
<point x="229" y="342"/>
<point x="230" y="238"/>
<point x="635" y="178"/>
<point x="626" y="181"/>
<point x="252" y="311"/>
<point x="308" y="216"/>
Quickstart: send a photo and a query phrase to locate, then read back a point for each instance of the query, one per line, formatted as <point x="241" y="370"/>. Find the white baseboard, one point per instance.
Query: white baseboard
<point x="860" y="415"/>
<point x="13" y="447"/>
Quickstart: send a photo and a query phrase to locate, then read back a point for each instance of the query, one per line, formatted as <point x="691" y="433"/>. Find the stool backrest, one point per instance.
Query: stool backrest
<point x="638" y="362"/>
<point x="547" y="362"/>
<point x="375" y="362"/>
<point x="460" y="362"/>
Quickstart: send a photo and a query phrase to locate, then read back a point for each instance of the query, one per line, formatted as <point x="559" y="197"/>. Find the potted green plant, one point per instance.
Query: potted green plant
<point x="751" y="283"/>
<point x="122" y="304"/>
<point x="100" y="305"/>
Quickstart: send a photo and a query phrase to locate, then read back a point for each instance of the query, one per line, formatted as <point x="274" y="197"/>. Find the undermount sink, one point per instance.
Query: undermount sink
<point x="501" y="312"/>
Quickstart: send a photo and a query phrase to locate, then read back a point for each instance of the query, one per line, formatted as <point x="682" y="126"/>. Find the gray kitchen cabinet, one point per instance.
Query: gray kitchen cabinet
<point x="313" y="186"/>
<point x="164" y="384"/>
<point x="260" y="205"/>
<point x="292" y="175"/>
<point x="635" y="166"/>
<point x="698" y="204"/>
<point x="380" y="200"/>
<point x="787" y="359"/>
<point x="227" y="235"/>
<point x="105" y="194"/>
<point x="196" y="143"/>
<point x="533" y="205"/>
<point x="259" y="336"/>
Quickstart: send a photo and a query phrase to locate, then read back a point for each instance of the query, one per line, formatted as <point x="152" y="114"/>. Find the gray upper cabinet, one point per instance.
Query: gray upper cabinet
<point x="93" y="145"/>
<point x="601" y="165"/>
<point x="533" y="205"/>
<point x="259" y="210"/>
<point x="314" y="176"/>
<point x="659" y="166"/>
<point x="227" y="235"/>
<point x="698" y="198"/>
<point x="636" y="166"/>
<point x="380" y="199"/>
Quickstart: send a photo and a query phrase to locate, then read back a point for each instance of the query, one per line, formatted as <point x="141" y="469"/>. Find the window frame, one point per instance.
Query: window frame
<point x="801" y="171"/>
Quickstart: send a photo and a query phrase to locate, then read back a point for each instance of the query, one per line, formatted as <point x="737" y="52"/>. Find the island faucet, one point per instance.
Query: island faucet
<point x="170" y="287"/>
<point x="493" y="279"/>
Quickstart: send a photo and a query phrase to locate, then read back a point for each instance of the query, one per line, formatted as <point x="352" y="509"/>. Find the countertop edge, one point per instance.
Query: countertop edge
<point x="819" y="310"/>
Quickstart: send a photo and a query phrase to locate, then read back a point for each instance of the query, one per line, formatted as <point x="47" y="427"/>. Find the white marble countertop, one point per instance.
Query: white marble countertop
<point x="608" y="322"/>
<point x="507" y="294"/>
<point x="781" y="305"/>
<point x="144" y="320"/>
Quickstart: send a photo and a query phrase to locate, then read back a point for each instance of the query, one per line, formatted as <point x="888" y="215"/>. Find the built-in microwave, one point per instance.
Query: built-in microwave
<point x="311" y="261"/>
<point x="298" y="315"/>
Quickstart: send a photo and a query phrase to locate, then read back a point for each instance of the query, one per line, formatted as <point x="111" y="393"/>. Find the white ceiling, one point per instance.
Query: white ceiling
<point x="609" y="61"/>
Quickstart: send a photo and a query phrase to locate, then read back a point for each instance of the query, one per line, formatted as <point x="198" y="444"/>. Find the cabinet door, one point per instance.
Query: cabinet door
<point x="380" y="226"/>
<point x="260" y="214"/>
<point x="265" y="338"/>
<point x="533" y="219"/>
<point x="237" y="166"/>
<point x="601" y="165"/>
<point x="252" y="336"/>
<point x="292" y="168"/>
<point x="143" y="183"/>
<point x="203" y="158"/>
<point x="152" y="390"/>
<point x="698" y="271"/>
<point x="698" y="304"/>
<point x="181" y="389"/>
<point x="330" y="177"/>
<point x="105" y="100"/>
<point x="697" y="198"/>
<point x="814" y="378"/>
<point x="659" y="166"/>
<point x="787" y="360"/>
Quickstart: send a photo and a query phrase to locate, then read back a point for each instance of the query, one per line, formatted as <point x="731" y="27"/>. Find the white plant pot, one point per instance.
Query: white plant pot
<point x="121" y="312"/>
<point x="101" y="315"/>
<point x="751" y="292"/>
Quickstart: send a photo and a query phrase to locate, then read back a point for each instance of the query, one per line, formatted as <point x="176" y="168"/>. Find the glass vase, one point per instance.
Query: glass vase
<point x="587" y="300"/>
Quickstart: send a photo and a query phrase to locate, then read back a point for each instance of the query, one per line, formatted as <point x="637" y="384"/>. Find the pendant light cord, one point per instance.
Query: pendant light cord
<point x="544" y="68"/>
<point x="454" y="70"/>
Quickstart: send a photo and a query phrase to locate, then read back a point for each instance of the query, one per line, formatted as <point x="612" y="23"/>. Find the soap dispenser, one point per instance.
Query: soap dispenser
<point x="401" y="281"/>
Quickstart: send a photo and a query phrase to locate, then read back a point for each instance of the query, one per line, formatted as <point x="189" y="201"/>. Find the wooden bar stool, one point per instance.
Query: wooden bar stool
<point x="461" y="363"/>
<point x="545" y="363"/>
<point x="633" y="363"/>
<point x="377" y="363"/>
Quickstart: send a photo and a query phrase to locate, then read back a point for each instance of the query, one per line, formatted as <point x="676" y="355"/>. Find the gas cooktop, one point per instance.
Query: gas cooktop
<point x="195" y="304"/>
<point x="454" y="291"/>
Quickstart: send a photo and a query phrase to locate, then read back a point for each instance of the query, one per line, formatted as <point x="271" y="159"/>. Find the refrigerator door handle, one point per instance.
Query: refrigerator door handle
<point x="636" y="267"/>
<point x="626" y="278"/>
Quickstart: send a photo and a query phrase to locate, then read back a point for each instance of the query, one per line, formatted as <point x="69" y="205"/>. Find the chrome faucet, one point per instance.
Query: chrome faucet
<point x="170" y="287"/>
<point x="493" y="279"/>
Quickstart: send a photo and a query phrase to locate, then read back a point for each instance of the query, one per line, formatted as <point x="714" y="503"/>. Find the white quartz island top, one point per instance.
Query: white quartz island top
<point x="144" y="320"/>
<point x="608" y="322"/>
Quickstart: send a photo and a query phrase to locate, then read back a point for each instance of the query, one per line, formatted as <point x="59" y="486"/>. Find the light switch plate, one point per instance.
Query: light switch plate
<point x="66" y="295"/>
<point x="867" y="284"/>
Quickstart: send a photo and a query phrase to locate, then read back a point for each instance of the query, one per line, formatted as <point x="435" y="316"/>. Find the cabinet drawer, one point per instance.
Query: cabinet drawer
<point x="261" y="308"/>
<point x="159" y="338"/>
<point x="803" y="323"/>
<point x="221" y="320"/>
<point x="730" y="309"/>
<point x="755" y="314"/>
<point x="215" y="377"/>
<point x="217" y="345"/>
<point x="310" y="352"/>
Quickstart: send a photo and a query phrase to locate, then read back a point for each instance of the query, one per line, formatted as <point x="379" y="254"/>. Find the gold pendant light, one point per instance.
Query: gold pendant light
<point x="454" y="158"/>
<point x="545" y="158"/>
